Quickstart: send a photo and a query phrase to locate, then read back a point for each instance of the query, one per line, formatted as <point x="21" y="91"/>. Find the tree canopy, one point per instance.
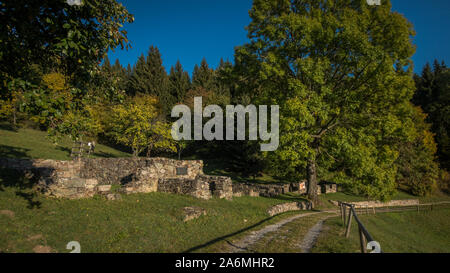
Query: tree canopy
<point x="54" y="34"/>
<point x="342" y="72"/>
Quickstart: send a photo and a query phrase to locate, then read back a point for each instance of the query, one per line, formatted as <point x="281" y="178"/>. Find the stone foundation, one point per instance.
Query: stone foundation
<point x="109" y="171"/>
<point x="292" y="206"/>
<point x="219" y="186"/>
<point x="86" y="177"/>
<point x="194" y="187"/>
<point x="266" y="190"/>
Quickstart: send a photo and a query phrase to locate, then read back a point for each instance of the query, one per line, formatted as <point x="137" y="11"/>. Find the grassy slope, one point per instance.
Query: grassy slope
<point x="405" y="232"/>
<point x="29" y="143"/>
<point x="138" y="223"/>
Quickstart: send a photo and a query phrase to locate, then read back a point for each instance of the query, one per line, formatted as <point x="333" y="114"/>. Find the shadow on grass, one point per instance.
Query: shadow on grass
<point x="23" y="182"/>
<point x="64" y="149"/>
<point x="213" y="168"/>
<point x="228" y="235"/>
<point x="8" y="127"/>
<point x="29" y="197"/>
<point x="105" y="155"/>
<point x="225" y="237"/>
<point x="13" y="152"/>
<point x="95" y="154"/>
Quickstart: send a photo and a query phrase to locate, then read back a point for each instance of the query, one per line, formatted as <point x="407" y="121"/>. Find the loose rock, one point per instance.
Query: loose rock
<point x="191" y="213"/>
<point x="7" y="213"/>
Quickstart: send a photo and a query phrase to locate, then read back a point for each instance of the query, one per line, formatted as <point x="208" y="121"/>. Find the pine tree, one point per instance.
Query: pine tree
<point x="106" y="65"/>
<point x="180" y="82"/>
<point x="119" y="75"/>
<point x="221" y="78"/>
<point x="150" y="77"/>
<point x="129" y="71"/>
<point x="203" y="76"/>
<point x="433" y="96"/>
<point x="138" y="78"/>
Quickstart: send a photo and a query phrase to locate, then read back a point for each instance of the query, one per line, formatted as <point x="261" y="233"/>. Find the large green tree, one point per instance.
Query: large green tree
<point x="341" y="72"/>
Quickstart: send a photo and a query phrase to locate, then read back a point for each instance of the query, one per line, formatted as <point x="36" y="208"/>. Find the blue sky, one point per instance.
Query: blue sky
<point x="189" y="30"/>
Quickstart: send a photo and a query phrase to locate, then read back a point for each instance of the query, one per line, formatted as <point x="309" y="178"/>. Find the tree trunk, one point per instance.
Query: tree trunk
<point x="312" y="181"/>
<point x="14" y="117"/>
<point x="149" y="151"/>
<point x="179" y="151"/>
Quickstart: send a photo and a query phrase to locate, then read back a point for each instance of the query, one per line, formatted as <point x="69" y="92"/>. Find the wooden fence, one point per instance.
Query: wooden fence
<point x="418" y="207"/>
<point x="80" y="148"/>
<point x="364" y="235"/>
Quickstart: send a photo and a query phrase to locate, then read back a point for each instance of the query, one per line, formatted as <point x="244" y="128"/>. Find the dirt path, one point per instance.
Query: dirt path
<point x="311" y="237"/>
<point x="244" y="243"/>
<point x="305" y="245"/>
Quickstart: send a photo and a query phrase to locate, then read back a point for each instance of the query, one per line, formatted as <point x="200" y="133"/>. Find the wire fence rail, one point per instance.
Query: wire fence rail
<point x="364" y="235"/>
<point x="418" y="207"/>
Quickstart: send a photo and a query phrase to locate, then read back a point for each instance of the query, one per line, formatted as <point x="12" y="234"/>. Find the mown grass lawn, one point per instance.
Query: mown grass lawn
<point x="397" y="232"/>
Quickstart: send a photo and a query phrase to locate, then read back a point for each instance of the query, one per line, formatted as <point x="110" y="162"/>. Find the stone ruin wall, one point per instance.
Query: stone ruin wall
<point x="86" y="177"/>
<point x="89" y="176"/>
<point x="120" y="171"/>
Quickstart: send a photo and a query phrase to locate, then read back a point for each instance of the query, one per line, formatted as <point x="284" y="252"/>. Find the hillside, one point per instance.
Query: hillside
<point x="29" y="143"/>
<point x="137" y="223"/>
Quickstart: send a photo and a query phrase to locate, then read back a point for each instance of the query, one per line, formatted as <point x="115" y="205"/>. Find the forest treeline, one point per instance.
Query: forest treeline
<point x="351" y="109"/>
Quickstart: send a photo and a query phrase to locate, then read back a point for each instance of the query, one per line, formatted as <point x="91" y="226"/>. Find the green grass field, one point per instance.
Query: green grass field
<point x="154" y="222"/>
<point x="397" y="232"/>
<point x="400" y="195"/>
<point x="29" y="143"/>
<point x="137" y="223"/>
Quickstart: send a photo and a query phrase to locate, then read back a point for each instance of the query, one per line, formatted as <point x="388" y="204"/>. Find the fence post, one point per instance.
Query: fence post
<point x="342" y="213"/>
<point x="349" y="222"/>
<point x="362" y="240"/>
<point x="344" y="209"/>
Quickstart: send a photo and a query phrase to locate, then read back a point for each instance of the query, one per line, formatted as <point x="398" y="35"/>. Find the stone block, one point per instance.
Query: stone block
<point x="75" y="183"/>
<point x="113" y="196"/>
<point x="103" y="188"/>
<point x="191" y="213"/>
<point x="91" y="181"/>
